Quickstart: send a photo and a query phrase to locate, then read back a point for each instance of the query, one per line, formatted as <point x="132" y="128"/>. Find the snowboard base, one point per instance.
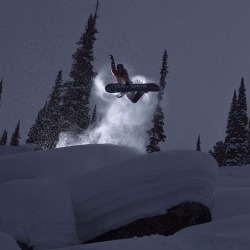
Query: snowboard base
<point x="147" y="87"/>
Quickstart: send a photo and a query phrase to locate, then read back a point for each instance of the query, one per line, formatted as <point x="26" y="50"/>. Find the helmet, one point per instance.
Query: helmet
<point x="120" y="66"/>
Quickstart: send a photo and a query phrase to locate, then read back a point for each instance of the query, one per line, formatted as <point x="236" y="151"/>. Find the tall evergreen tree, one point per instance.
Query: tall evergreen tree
<point x="156" y="133"/>
<point x="47" y="127"/>
<point x="248" y="143"/>
<point x="163" y="74"/>
<point x="35" y="132"/>
<point x="16" y="136"/>
<point x="3" y="140"/>
<point x="236" y="141"/>
<point x="53" y="121"/>
<point x="78" y="90"/>
<point x="198" y="144"/>
<point x="231" y="150"/>
<point x="56" y="96"/>
<point x="242" y="125"/>
<point x="218" y="152"/>
<point x="1" y="90"/>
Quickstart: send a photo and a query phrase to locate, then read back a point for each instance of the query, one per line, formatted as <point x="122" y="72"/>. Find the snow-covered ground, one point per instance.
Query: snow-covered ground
<point x="57" y="198"/>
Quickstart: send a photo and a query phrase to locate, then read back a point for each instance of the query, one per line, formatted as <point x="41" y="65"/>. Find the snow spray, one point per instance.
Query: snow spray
<point x="121" y="122"/>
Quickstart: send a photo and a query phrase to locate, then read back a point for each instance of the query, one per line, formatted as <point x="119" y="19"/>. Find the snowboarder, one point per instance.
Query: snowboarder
<point x="122" y="77"/>
<point x="119" y="72"/>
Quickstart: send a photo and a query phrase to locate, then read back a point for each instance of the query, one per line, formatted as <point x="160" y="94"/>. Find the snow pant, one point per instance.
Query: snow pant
<point x="134" y="96"/>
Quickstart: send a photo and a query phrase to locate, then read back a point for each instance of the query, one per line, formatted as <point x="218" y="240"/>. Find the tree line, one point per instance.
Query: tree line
<point x="234" y="150"/>
<point x="67" y="108"/>
<point x="14" y="141"/>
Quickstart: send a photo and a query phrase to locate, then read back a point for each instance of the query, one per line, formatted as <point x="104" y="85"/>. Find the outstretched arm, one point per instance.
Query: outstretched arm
<point x="112" y="59"/>
<point x="113" y="68"/>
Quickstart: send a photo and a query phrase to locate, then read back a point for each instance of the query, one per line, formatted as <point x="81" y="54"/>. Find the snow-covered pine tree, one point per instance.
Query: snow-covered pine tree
<point x="56" y="95"/>
<point x="218" y="152"/>
<point x="16" y="136"/>
<point x="53" y="121"/>
<point x="236" y="141"/>
<point x="163" y="74"/>
<point x="248" y="142"/>
<point x="231" y="139"/>
<point x="156" y="133"/>
<point x="242" y="125"/>
<point x="78" y="90"/>
<point x="37" y="129"/>
<point x="47" y="127"/>
<point x="198" y="144"/>
<point x="3" y="140"/>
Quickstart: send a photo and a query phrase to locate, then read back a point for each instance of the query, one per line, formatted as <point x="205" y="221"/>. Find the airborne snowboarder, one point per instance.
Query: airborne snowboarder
<point x="122" y="77"/>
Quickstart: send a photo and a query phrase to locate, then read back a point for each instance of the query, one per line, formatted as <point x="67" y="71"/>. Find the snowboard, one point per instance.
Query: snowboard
<point x="147" y="87"/>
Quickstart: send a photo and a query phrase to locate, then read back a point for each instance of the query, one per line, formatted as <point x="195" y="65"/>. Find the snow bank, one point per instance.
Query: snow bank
<point x="38" y="212"/>
<point x="231" y="234"/>
<point x="61" y="162"/>
<point x="4" y="150"/>
<point x="234" y="177"/>
<point x="232" y="194"/>
<point x="145" y="243"/>
<point x="228" y="202"/>
<point x="145" y="186"/>
<point x="7" y="242"/>
<point x="36" y="206"/>
<point x="227" y="234"/>
<point x="49" y="199"/>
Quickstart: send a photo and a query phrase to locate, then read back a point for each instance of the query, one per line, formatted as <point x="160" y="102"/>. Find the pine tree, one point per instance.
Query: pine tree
<point x="48" y="124"/>
<point x="231" y="150"/>
<point x="53" y="121"/>
<point x="242" y="125"/>
<point x="236" y="141"/>
<point x="156" y="133"/>
<point x="78" y="91"/>
<point x="56" y="96"/>
<point x="35" y="132"/>
<point x="198" y="144"/>
<point x="1" y="90"/>
<point x="248" y="143"/>
<point x="218" y="152"/>
<point x="163" y="74"/>
<point x="16" y="136"/>
<point x="4" y="138"/>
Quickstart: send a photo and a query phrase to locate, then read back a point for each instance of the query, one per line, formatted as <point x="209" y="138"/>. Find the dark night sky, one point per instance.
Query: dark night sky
<point x="208" y="44"/>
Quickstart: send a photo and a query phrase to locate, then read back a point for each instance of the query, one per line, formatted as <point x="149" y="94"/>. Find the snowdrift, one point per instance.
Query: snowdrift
<point x="7" y="242"/>
<point x="4" y="150"/>
<point x="59" y="197"/>
<point x="226" y="234"/>
<point x="141" y="187"/>
<point x="61" y="162"/>
<point x="38" y="212"/>
<point x="36" y="205"/>
<point x="233" y="187"/>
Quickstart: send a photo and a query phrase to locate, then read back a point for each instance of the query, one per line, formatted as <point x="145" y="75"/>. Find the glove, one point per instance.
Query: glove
<point x="111" y="58"/>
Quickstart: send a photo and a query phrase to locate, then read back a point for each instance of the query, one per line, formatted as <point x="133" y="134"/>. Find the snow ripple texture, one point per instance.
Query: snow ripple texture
<point x="61" y="197"/>
<point x="141" y="187"/>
